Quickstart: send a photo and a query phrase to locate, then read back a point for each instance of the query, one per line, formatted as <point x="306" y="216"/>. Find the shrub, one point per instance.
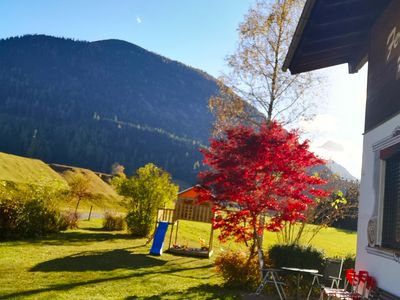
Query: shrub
<point x="69" y="220"/>
<point x="26" y="212"/>
<point x="9" y="216"/>
<point x="296" y="256"/>
<point x="38" y="218"/>
<point x="237" y="270"/>
<point x="349" y="263"/>
<point x="30" y="219"/>
<point x="139" y="226"/>
<point x="147" y="191"/>
<point x="113" y="222"/>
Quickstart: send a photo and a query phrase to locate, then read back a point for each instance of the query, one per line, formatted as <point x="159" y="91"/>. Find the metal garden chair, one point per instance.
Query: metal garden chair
<point x="271" y="276"/>
<point x="362" y="286"/>
<point x="330" y="276"/>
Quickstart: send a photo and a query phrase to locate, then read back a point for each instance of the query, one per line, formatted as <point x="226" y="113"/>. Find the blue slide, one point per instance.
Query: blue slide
<point x="159" y="236"/>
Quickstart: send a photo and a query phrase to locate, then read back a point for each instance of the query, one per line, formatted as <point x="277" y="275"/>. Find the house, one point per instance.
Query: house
<point x="332" y="32"/>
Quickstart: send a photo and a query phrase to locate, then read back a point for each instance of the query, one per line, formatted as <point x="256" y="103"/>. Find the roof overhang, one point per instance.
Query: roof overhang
<point x="333" y="32"/>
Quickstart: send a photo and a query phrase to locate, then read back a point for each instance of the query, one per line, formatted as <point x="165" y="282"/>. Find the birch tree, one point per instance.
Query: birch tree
<point x="255" y="71"/>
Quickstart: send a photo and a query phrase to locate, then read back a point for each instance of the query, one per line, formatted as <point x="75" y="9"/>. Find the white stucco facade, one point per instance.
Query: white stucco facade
<point x="381" y="263"/>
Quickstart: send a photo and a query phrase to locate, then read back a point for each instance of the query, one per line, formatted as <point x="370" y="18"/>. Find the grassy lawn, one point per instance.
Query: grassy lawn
<point x="92" y="264"/>
<point x="89" y="263"/>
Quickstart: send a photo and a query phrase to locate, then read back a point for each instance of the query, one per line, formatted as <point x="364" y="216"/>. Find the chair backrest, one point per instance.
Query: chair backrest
<point x="371" y="283"/>
<point x="333" y="268"/>
<point x="363" y="276"/>
<point x="365" y="282"/>
<point x="351" y="277"/>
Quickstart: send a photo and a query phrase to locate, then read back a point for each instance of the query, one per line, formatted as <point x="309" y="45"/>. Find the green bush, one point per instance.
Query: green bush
<point x="38" y="218"/>
<point x="30" y="219"/>
<point x="9" y="216"/>
<point x="138" y="225"/>
<point x="348" y="263"/>
<point x="296" y="256"/>
<point x="113" y="222"/>
<point x="25" y="212"/>
<point x="148" y="190"/>
<point x="237" y="270"/>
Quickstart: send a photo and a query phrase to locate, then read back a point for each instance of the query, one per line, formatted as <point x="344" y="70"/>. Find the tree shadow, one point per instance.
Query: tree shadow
<point x="204" y="291"/>
<point x="80" y="237"/>
<point x="98" y="261"/>
<point x="70" y="286"/>
<point x="346" y="231"/>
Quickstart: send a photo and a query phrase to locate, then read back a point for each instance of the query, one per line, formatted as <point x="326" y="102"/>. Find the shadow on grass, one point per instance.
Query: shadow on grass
<point x="82" y="237"/>
<point x="204" y="291"/>
<point x="346" y="231"/>
<point x="70" y="286"/>
<point x="98" y="261"/>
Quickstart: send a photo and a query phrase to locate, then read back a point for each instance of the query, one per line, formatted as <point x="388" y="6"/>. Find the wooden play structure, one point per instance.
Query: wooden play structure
<point x="188" y="209"/>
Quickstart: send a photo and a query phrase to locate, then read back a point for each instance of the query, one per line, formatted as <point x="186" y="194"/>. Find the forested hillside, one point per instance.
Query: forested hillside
<point x="91" y="104"/>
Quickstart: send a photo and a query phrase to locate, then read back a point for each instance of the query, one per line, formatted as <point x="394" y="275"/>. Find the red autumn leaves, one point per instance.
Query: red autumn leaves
<point x="254" y="172"/>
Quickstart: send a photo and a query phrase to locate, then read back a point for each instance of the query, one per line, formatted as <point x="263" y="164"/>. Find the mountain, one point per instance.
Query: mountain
<point x="340" y="170"/>
<point x="332" y="167"/>
<point x="91" y="104"/>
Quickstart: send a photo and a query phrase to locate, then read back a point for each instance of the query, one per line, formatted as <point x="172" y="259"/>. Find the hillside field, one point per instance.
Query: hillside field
<point x="24" y="170"/>
<point x="28" y="171"/>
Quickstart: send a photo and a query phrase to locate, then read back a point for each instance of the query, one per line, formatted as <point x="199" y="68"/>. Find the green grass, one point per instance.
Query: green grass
<point x="96" y="185"/>
<point x="92" y="264"/>
<point x="27" y="171"/>
<point x="333" y="242"/>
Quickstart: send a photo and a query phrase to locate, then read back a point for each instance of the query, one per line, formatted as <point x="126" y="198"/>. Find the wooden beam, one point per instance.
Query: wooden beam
<point x="337" y="29"/>
<point x="358" y="60"/>
<point x="347" y="9"/>
<point x="331" y="46"/>
<point x="315" y="65"/>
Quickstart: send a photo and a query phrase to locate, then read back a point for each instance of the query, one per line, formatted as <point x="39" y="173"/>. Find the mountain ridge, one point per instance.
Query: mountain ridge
<point x="91" y="104"/>
<point x="55" y="94"/>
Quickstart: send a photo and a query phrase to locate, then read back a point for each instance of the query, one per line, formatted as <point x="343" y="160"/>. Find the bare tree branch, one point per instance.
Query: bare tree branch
<point x="255" y="70"/>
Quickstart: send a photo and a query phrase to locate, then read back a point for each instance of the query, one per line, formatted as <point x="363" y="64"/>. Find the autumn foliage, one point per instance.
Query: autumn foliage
<point x="253" y="172"/>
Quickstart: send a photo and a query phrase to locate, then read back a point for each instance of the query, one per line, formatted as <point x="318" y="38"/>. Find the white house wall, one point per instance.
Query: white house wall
<point x="382" y="264"/>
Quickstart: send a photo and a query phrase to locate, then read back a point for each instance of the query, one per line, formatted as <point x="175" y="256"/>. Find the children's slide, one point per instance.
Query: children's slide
<point x="159" y="236"/>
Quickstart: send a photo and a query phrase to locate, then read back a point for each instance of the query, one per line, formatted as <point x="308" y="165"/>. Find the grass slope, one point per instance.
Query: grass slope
<point x="22" y="170"/>
<point x="27" y="170"/>
<point x="92" y="264"/>
<point x="96" y="184"/>
<point x="106" y="198"/>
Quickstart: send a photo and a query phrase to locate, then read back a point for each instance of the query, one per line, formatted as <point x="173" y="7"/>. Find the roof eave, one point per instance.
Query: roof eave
<point x="305" y="15"/>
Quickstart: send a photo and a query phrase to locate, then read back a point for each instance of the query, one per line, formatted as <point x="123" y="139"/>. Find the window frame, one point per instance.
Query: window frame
<point x="381" y="150"/>
<point x="390" y="243"/>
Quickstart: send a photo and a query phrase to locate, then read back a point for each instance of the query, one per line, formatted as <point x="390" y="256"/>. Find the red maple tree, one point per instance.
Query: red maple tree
<point x="254" y="172"/>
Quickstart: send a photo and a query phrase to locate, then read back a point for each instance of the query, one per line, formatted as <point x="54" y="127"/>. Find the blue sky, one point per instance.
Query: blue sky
<point x="199" y="33"/>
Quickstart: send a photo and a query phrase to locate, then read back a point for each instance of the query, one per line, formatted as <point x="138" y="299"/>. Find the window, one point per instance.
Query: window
<point x="391" y="199"/>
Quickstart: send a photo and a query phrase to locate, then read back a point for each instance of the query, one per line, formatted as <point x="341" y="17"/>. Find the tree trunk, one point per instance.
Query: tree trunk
<point x="77" y="204"/>
<point x="260" y="252"/>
